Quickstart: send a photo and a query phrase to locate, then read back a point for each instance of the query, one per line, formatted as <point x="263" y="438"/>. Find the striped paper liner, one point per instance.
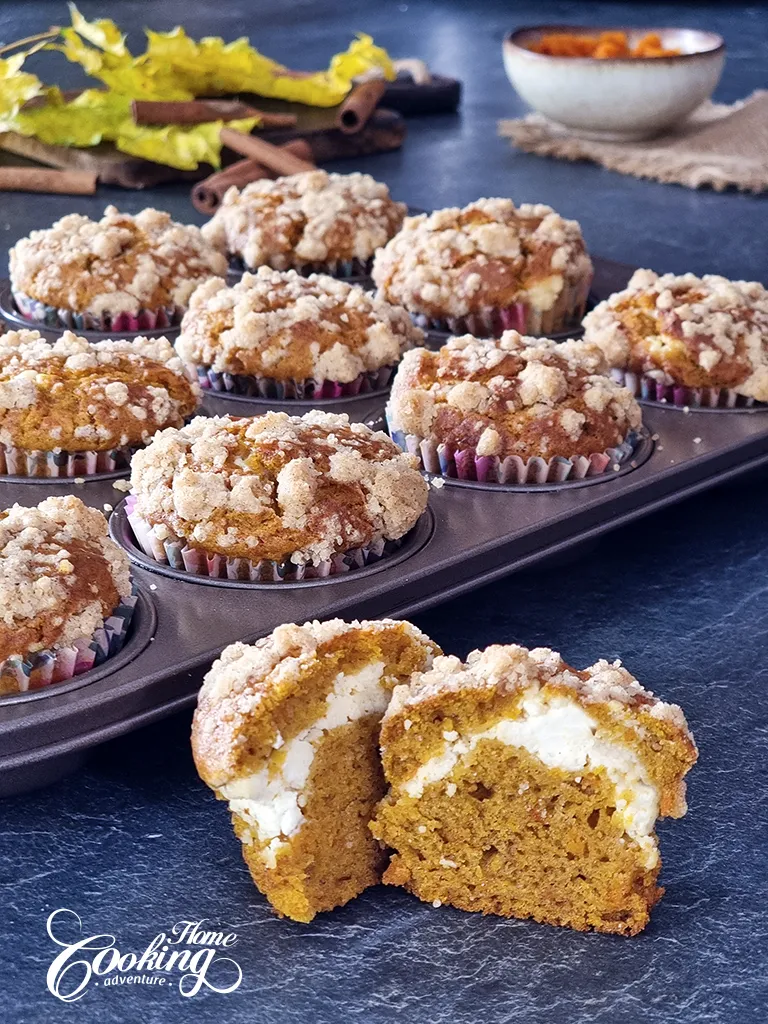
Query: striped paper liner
<point x="343" y="269"/>
<point x="490" y="322"/>
<point x="50" y="316"/>
<point x="649" y="388"/>
<point x="283" y="390"/>
<point x="175" y="553"/>
<point x="21" y="673"/>
<point x="60" y="463"/>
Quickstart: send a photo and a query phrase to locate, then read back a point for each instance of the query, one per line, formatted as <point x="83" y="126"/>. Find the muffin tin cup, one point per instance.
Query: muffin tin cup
<point x="649" y="389"/>
<point x="37" y="313"/>
<point x="20" y="674"/>
<point x="464" y="464"/>
<point x="243" y="385"/>
<point x="175" y="553"/>
<point x="490" y="322"/>
<point x="59" y="463"/>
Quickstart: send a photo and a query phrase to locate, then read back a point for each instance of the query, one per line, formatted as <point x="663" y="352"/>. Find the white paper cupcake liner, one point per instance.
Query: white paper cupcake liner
<point x="649" y="388"/>
<point x="21" y="673"/>
<point x="175" y="552"/>
<point x="491" y="322"/>
<point x="284" y="390"/>
<point x="60" y="463"/>
<point x="465" y="464"/>
<point x="50" y="316"/>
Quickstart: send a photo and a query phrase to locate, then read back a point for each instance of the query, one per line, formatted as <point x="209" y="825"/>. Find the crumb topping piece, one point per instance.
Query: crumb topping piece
<point x="75" y="395"/>
<point x="305" y="218"/>
<point x="278" y="486"/>
<point x="682" y="329"/>
<point x="119" y="264"/>
<point x="286" y="327"/>
<point x="491" y="254"/>
<point x="60" y="575"/>
<point x="512" y="396"/>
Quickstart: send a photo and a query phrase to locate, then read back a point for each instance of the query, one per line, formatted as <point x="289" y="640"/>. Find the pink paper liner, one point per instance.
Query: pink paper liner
<point x="490" y="322"/>
<point x="287" y="390"/>
<point x="465" y="464"/>
<point x="652" y="389"/>
<point x="61" y="463"/>
<point x="174" y="552"/>
<point x="21" y="673"/>
<point x="50" y="316"/>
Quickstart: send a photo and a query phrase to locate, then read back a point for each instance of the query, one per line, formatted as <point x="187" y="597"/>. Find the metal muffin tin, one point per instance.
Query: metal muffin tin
<point x="472" y="535"/>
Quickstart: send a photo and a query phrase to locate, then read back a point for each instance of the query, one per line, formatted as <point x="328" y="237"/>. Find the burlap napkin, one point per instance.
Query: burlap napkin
<point x="720" y="145"/>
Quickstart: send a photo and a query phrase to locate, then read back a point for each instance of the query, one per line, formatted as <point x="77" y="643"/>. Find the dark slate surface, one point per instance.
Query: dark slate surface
<point x="134" y="843"/>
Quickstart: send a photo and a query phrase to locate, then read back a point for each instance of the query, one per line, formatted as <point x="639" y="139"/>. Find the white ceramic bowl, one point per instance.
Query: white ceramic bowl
<point x="620" y="99"/>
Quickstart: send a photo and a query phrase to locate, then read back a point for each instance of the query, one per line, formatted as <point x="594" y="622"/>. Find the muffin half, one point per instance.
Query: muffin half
<point x="522" y="787"/>
<point x="66" y="593"/>
<point x="512" y="411"/>
<point x="310" y="222"/>
<point x="120" y="273"/>
<point x="686" y="340"/>
<point x="73" y="408"/>
<point x="488" y="268"/>
<point x="279" y="335"/>
<point x="287" y="732"/>
<point x="273" y="497"/>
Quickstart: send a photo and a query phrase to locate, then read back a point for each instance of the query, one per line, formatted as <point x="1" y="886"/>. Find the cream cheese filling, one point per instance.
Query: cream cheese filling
<point x="271" y="802"/>
<point x="560" y="733"/>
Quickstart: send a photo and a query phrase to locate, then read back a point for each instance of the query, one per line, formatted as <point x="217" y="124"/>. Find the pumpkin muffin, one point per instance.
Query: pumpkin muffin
<point x="71" y="408"/>
<point x="512" y="410"/>
<point x="310" y="222"/>
<point x="287" y="732"/>
<point x="686" y="340"/>
<point x="65" y="593"/>
<point x="525" y="788"/>
<point x="121" y="273"/>
<point x="273" y="497"/>
<point x="277" y="334"/>
<point x="487" y="268"/>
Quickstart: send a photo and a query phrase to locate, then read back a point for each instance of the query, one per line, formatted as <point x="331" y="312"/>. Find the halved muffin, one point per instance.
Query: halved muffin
<point x="522" y="787"/>
<point x="488" y="268"/>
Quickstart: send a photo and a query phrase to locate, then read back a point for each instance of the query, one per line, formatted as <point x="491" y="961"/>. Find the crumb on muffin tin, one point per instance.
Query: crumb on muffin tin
<point x="283" y="326"/>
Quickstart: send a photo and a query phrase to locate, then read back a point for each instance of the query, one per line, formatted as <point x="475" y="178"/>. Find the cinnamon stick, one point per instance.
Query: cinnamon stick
<point x="43" y="179"/>
<point x="361" y="102"/>
<point x="207" y="194"/>
<point x="278" y="159"/>
<point x="187" y="112"/>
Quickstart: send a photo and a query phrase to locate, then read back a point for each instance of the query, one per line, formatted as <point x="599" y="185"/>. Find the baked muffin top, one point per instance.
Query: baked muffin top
<point x="512" y="396"/>
<point x="258" y="697"/>
<point x="60" y="575"/>
<point x="305" y="218"/>
<point x="287" y="327"/>
<point x="119" y="264"/>
<point x="695" y="331"/>
<point x="489" y="254"/>
<point x="277" y="486"/>
<point x="79" y="396"/>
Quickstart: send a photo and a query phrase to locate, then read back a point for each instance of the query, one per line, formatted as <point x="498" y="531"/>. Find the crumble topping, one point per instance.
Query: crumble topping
<point x="278" y="486"/>
<point x="491" y="254"/>
<point x="512" y="396"/>
<point x="79" y="396"/>
<point x="305" y="218"/>
<point x="60" y="575"/>
<point x="511" y="668"/>
<point x="287" y="327"/>
<point x="119" y="264"/>
<point x="695" y="331"/>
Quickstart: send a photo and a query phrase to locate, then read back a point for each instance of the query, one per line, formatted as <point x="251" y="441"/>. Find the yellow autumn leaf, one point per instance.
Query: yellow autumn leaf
<point x="94" y="116"/>
<point x="176" y="146"/>
<point x="16" y="87"/>
<point x="102" y="33"/>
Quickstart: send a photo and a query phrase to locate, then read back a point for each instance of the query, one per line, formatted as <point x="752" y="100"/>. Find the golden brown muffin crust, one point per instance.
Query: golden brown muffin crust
<point x="512" y="396"/>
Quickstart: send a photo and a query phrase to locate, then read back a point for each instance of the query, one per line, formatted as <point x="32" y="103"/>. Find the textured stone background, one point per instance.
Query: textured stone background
<point x="134" y="842"/>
